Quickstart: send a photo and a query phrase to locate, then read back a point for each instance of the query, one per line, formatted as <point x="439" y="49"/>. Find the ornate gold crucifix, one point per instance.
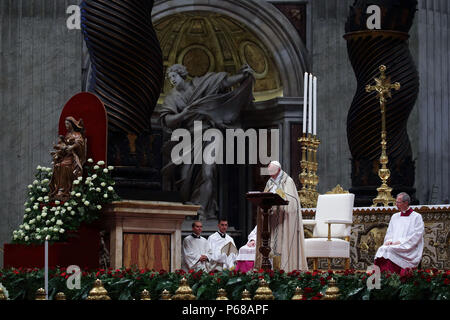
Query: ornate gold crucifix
<point x="383" y="88"/>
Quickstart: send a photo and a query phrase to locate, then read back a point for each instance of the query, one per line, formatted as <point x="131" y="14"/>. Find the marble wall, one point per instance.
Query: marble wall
<point x="40" y="67"/>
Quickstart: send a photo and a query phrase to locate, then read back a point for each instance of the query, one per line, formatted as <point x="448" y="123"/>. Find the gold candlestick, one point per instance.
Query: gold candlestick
<point x="383" y="88"/>
<point x="308" y="176"/>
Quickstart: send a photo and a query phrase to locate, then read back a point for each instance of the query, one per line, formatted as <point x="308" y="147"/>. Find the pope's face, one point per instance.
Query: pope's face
<point x="273" y="170"/>
<point x="68" y="125"/>
<point x="175" y="79"/>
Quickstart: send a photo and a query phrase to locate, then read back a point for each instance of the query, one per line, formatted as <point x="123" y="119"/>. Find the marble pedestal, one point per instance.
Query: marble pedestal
<point x="145" y="233"/>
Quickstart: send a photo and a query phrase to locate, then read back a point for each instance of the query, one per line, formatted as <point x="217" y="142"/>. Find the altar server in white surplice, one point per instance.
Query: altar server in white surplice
<point x="221" y="260"/>
<point x="403" y="243"/>
<point x="196" y="251"/>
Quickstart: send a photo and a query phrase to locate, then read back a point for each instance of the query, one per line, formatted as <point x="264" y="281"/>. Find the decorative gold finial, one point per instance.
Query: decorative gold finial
<point x="246" y="295"/>
<point x="332" y="292"/>
<point x="383" y="88"/>
<point x="2" y="294"/>
<point x="337" y="190"/>
<point x="40" y="294"/>
<point x="298" y="294"/>
<point x="263" y="292"/>
<point x="98" y="292"/>
<point x="165" y="295"/>
<point x="145" y="295"/>
<point x="60" y="296"/>
<point x="221" y="294"/>
<point x="184" y="292"/>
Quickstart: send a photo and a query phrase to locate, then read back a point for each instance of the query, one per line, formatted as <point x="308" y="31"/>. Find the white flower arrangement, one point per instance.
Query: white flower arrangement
<point x="50" y="220"/>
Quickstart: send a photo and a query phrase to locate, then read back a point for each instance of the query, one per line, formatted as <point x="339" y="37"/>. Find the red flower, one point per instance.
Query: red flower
<point x="191" y="271"/>
<point x="97" y="274"/>
<point x="315" y="298"/>
<point x="260" y="271"/>
<point x="307" y="290"/>
<point x="218" y="280"/>
<point x="260" y="277"/>
<point x="446" y="281"/>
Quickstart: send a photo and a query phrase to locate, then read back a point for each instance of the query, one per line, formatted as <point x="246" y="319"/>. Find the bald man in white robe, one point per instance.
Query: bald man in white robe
<point x="403" y="243"/>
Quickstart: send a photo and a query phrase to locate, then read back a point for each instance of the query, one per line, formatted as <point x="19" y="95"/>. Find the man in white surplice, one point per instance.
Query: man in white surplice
<point x="220" y="261"/>
<point x="403" y="243"/>
<point x="196" y="251"/>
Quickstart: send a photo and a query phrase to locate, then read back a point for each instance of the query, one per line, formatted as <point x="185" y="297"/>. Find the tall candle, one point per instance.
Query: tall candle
<point x="315" y="106"/>
<point x="310" y="103"/>
<point x="305" y="101"/>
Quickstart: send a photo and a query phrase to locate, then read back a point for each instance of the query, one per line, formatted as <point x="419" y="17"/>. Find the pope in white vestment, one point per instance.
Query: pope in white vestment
<point x="219" y="260"/>
<point x="286" y="223"/>
<point x="403" y="243"/>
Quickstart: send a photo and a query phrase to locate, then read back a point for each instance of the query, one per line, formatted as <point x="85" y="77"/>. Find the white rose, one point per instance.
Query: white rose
<point x="80" y="178"/>
<point x="57" y="202"/>
<point x="26" y="238"/>
<point x="27" y="227"/>
<point x="40" y="199"/>
<point x="72" y="212"/>
<point x="30" y="186"/>
<point x="105" y="195"/>
<point x="105" y="170"/>
<point x="86" y="203"/>
<point x="99" y="207"/>
<point x="57" y="212"/>
<point x="78" y="194"/>
<point x="90" y="160"/>
<point x="69" y="208"/>
<point x="110" y="188"/>
<point x="52" y="220"/>
<point x="38" y="167"/>
<point x="27" y="210"/>
<point x="55" y="229"/>
<point x="38" y="237"/>
<point x="72" y="193"/>
<point x="110" y="167"/>
<point x="46" y="198"/>
<point x="44" y="190"/>
<point x="61" y="230"/>
<point x="38" y="218"/>
<point x="35" y="182"/>
<point x="47" y="222"/>
<point x="35" y="207"/>
<point x="47" y="237"/>
<point x="103" y="184"/>
<point x="96" y="167"/>
<point x="32" y="221"/>
<point x="38" y="230"/>
<point x="101" y="162"/>
<point x="25" y="216"/>
<point x="44" y="208"/>
<point x="45" y="181"/>
<point x="98" y="189"/>
<point x="94" y="176"/>
<point x="53" y="209"/>
<point x="76" y="182"/>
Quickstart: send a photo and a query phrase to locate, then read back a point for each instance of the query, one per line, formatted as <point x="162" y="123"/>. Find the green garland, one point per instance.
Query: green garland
<point x="127" y="284"/>
<point x="50" y="220"/>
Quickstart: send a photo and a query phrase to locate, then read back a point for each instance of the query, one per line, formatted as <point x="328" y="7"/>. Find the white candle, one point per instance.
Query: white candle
<point x="46" y="269"/>
<point x="310" y="103"/>
<point x="305" y="101"/>
<point x="315" y="106"/>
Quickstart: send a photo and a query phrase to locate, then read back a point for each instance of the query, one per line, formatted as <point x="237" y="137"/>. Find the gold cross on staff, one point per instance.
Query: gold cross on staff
<point x="383" y="88"/>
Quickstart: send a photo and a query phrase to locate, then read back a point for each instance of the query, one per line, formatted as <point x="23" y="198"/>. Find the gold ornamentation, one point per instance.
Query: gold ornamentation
<point x="246" y="295"/>
<point x="337" y="190"/>
<point x="221" y="294"/>
<point x="184" y="292"/>
<point x="98" y="292"/>
<point x="2" y="294"/>
<point x="145" y="295"/>
<point x="40" y="294"/>
<point x="263" y="292"/>
<point x="332" y="292"/>
<point x="165" y="295"/>
<point x="60" y="296"/>
<point x="383" y="88"/>
<point x="298" y="294"/>
<point x="308" y="176"/>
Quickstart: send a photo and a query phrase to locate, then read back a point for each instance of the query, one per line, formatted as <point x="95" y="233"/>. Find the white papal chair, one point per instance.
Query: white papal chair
<point x="332" y="227"/>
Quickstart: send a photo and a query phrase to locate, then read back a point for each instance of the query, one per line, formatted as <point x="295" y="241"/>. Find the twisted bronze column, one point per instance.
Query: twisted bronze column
<point x="127" y="75"/>
<point x="368" y="49"/>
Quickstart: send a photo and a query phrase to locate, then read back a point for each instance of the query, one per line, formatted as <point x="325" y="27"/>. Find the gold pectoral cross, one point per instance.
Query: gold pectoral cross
<point x="383" y="88"/>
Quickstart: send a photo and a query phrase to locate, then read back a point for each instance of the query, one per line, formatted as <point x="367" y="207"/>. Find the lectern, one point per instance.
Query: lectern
<point x="265" y="200"/>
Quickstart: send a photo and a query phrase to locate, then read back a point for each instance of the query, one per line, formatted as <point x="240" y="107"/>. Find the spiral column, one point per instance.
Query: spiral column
<point x="367" y="50"/>
<point x="127" y="75"/>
